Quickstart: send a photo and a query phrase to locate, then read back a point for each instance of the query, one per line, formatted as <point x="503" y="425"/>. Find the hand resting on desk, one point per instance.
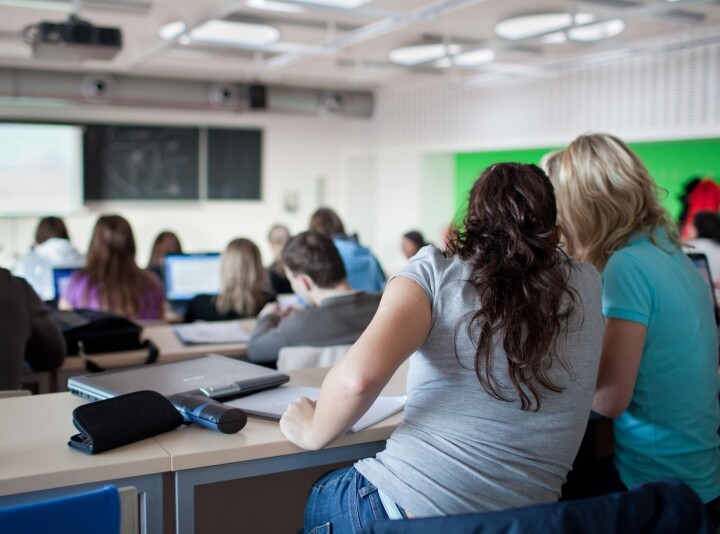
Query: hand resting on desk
<point x="296" y="420"/>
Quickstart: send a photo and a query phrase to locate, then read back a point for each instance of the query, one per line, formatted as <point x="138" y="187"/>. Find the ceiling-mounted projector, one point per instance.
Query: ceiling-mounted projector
<point x="74" y="39"/>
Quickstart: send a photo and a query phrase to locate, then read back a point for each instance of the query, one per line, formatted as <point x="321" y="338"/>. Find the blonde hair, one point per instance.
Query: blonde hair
<point x="242" y="278"/>
<point x="605" y="194"/>
<point x="550" y="163"/>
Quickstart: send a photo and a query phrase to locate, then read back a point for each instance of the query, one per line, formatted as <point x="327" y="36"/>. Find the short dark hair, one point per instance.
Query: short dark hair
<point x="327" y="222"/>
<point x="314" y="254"/>
<point x="416" y="237"/>
<point x="50" y="227"/>
<point x="708" y="225"/>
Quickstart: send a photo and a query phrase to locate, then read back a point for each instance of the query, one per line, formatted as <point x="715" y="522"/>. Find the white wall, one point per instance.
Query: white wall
<point x="299" y="153"/>
<point x="416" y="129"/>
<point x="395" y="172"/>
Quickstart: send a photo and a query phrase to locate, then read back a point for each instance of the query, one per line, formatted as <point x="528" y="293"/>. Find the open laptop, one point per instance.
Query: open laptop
<point x="703" y="266"/>
<point x="61" y="278"/>
<point x="214" y="376"/>
<point x="188" y="275"/>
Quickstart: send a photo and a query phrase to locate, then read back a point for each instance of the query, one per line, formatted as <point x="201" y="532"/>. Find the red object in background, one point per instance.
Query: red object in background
<point x="705" y="196"/>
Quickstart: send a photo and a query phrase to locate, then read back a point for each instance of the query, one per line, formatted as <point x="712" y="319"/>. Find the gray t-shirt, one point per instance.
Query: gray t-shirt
<point x="458" y="449"/>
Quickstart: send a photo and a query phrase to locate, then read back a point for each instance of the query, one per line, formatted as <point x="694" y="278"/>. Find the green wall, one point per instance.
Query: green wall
<point x="671" y="163"/>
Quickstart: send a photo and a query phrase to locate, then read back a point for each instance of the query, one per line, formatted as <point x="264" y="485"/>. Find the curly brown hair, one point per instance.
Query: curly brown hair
<point x="521" y="277"/>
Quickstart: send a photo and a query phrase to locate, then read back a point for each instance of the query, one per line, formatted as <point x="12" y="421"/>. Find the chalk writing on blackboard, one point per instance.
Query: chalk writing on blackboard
<point x="141" y="162"/>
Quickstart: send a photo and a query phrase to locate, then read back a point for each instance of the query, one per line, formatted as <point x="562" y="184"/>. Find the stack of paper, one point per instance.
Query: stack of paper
<point x="211" y="332"/>
<point x="271" y="404"/>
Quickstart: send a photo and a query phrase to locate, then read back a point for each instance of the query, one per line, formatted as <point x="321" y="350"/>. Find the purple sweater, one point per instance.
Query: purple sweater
<point x="151" y="302"/>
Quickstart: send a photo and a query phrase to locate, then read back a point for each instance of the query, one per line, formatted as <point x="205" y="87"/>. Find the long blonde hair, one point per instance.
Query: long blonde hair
<point x="244" y="285"/>
<point x="605" y="194"/>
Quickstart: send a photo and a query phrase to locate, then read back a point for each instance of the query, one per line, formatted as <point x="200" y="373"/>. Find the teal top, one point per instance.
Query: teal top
<point x="670" y="428"/>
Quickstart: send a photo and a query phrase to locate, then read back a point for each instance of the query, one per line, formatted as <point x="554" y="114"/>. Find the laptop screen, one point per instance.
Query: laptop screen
<point x="211" y="375"/>
<point x="701" y="264"/>
<point x="187" y="275"/>
<point x="61" y="278"/>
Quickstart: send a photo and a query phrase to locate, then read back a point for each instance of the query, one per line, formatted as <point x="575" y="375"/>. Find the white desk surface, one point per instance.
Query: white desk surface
<point x="171" y="349"/>
<point x="34" y="454"/>
<point x="192" y="447"/>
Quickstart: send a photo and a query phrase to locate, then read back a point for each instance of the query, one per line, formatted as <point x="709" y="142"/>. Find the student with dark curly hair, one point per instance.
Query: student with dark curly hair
<point x="503" y="337"/>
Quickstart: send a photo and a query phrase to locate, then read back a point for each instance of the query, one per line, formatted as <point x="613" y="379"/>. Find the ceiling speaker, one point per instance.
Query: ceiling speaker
<point x="98" y="88"/>
<point x="224" y="95"/>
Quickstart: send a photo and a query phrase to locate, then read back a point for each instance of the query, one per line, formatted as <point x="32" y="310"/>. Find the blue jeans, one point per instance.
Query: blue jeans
<point x="342" y="502"/>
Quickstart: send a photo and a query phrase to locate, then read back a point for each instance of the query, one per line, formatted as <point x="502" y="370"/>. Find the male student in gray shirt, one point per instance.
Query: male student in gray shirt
<point x="338" y="314"/>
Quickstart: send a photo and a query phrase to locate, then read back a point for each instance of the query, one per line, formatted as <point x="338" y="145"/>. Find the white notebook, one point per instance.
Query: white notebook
<point x="211" y="332"/>
<point x="272" y="403"/>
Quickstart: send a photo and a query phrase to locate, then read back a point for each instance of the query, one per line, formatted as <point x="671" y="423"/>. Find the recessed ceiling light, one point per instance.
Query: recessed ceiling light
<point x="595" y="32"/>
<point x="554" y="38"/>
<point x="474" y="58"/>
<point x="342" y="4"/>
<point x="532" y="25"/>
<point x="223" y="32"/>
<point x="269" y="5"/>
<point x="227" y="32"/>
<point x="415" y="55"/>
<point x="172" y="29"/>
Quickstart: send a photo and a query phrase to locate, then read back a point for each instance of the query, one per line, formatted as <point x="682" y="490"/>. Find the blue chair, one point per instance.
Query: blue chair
<point x="92" y="512"/>
<point x="668" y="506"/>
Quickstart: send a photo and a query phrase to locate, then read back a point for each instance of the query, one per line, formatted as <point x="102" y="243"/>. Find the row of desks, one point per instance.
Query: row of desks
<point x="247" y="470"/>
<point x="164" y="338"/>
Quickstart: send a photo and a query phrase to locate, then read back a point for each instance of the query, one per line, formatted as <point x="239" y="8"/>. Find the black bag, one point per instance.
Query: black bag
<point x="96" y="332"/>
<point x="115" y="422"/>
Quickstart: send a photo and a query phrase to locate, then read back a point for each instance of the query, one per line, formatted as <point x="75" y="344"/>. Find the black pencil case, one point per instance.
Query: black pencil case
<point x="125" y="419"/>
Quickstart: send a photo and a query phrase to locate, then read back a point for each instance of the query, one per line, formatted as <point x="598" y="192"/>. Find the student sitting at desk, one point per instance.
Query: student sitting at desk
<point x="52" y="248"/>
<point x="338" y="315"/>
<point x="165" y="243"/>
<point x="245" y="288"/>
<point x="278" y="236"/>
<point x="658" y="372"/>
<point x="503" y="337"/>
<point x="362" y="267"/>
<point x="111" y="281"/>
<point x="27" y="330"/>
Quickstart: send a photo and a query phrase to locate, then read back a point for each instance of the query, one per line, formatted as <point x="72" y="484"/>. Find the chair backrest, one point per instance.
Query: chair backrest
<point x="36" y="381"/>
<point x="290" y="358"/>
<point x="101" y="511"/>
<point x="665" y="506"/>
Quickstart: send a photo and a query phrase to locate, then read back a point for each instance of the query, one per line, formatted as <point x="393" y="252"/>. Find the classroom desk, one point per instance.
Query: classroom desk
<point x="36" y="463"/>
<point x="200" y="457"/>
<point x="164" y="338"/>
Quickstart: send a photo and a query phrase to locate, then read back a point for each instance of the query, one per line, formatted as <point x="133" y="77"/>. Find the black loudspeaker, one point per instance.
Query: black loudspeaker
<point x="257" y="96"/>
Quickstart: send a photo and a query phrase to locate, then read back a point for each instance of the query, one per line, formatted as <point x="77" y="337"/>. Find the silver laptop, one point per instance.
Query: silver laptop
<point x="214" y="376"/>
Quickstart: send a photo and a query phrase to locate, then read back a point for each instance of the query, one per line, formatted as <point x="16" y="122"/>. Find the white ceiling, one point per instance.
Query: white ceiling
<point x="349" y="48"/>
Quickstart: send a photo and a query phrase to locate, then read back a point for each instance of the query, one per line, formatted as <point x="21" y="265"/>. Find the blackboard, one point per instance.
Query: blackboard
<point x="234" y="164"/>
<point x="140" y="162"/>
